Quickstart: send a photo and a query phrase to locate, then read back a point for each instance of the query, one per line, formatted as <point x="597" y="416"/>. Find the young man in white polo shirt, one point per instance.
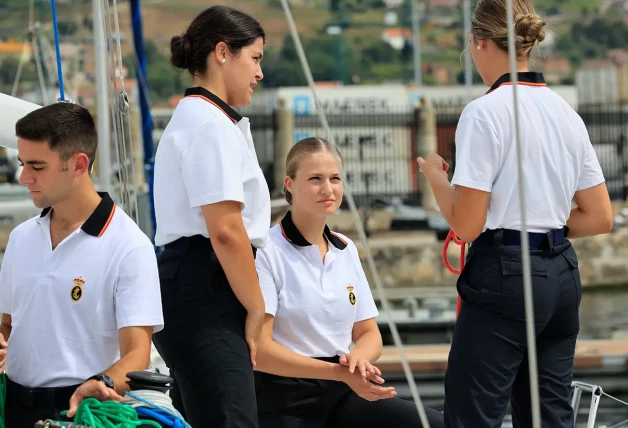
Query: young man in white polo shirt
<point x="79" y="288"/>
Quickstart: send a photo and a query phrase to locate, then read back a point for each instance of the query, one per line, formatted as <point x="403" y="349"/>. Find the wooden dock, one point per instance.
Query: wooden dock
<point x="590" y="354"/>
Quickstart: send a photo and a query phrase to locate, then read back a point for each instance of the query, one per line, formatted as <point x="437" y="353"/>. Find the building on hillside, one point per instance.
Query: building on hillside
<point x="556" y="69"/>
<point x="602" y="81"/>
<point x="15" y="48"/>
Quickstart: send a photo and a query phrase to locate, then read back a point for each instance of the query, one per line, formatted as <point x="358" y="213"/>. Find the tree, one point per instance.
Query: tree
<point x="67" y="28"/>
<point x="8" y="68"/>
<point x="476" y="79"/>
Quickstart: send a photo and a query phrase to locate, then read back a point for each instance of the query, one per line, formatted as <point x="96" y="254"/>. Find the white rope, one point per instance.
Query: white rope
<point x="24" y="57"/>
<point x="356" y="217"/>
<point x="113" y="96"/>
<point x="40" y="70"/>
<point x="614" y="398"/>
<point x="525" y="244"/>
<point x="125" y="118"/>
<point x="153" y="400"/>
<point x="121" y="119"/>
<point x="18" y="74"/>
<point x="154" y="397"/>
<point x="102" y="92"/>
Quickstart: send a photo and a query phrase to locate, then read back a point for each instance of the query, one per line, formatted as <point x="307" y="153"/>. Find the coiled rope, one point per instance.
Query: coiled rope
<point x="107" y="414"/>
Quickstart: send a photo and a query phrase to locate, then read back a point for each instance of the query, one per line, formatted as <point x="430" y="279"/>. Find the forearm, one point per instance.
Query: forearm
<point x="236" y="258"/>
<point x="275" y="359"/>
<point x="370" y="346"/>
<point x="583" y="224"/>
<point x="5" y="330"/>
<point x="445" y="198"/>
<point x="135" y="360"/>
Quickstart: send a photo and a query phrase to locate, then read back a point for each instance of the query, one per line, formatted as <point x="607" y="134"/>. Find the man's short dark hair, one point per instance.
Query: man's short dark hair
<point x="69" y="129"/>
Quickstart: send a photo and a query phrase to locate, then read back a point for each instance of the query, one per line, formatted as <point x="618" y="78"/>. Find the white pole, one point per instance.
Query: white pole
<point x="102" y="95"/>
<point x="525" y="244"/>
<point x="416" y="44"/>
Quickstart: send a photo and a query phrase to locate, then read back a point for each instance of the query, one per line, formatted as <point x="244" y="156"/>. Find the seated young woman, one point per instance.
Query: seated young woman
<point x="318" y="302"/>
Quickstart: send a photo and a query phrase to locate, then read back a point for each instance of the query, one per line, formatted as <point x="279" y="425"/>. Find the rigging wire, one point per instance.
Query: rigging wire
<point x="358" y="224"/>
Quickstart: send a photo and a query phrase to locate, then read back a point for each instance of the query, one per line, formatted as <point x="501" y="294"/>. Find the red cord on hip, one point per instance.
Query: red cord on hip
<point x="452" y="236"/>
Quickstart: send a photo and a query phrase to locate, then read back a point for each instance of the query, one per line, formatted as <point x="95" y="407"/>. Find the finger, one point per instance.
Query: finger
<point x="382" y="392"/>
<point x="368" y="368"/>
<point x="253" y="350"/>
<point x="74" y="401"/>
<point x="376" y="371"/>
<point x="375" y="378"/>
<point x="352" y="364"/>
<point x="362" y="368"/>
<point x="99" y="391"/>
<point x="420" y="161"/>
<point x="343" y="360"/>
<point x="114" y="396"/>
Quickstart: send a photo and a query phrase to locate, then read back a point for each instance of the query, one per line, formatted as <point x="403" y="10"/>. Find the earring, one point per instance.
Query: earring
<point x="478" y="47"/>
<point x="223" y="60"/>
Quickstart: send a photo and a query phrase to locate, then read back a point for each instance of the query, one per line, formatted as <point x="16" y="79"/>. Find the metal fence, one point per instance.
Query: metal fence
<point x="379" y="150"/>
<point x="607" y="126"/>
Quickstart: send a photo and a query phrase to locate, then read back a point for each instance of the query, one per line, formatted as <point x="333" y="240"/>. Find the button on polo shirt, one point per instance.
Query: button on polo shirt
<point x="315" y="303"/>
<point x="67" y="305"/>
<point x="205" y="156"/>
<point x="557" y="155"/>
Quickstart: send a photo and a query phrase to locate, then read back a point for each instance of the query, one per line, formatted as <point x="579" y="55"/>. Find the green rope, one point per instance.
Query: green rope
<point x="107" y="414"/>
<point x="3" y="395"/>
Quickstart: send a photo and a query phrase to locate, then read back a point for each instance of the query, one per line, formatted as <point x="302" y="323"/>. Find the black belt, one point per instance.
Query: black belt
<point x="195" y="243"/>
<point x="511" y="237"/>
<point x="39" y="398"/>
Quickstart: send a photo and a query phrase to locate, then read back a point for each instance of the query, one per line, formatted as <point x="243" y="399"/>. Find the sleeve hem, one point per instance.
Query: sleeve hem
<point x="366" y="316"/>
<point x="215" y="198"/>
<point x="591" y="183"/>
<point x="157" y="324"/>
<point x="472" y="184"/>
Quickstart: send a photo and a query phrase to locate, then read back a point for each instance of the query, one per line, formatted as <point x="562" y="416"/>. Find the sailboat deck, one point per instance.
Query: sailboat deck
<point x="433" y="358"/>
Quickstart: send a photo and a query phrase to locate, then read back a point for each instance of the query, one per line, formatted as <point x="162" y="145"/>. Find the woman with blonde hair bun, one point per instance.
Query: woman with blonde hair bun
<point x="488" y="364"/>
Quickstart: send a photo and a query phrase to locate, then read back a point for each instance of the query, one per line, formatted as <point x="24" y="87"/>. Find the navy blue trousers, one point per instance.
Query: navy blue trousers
<point x="488" y="364"/>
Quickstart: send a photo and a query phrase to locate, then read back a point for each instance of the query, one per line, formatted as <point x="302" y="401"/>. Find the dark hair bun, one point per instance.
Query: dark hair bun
<point x="180" y="52"/>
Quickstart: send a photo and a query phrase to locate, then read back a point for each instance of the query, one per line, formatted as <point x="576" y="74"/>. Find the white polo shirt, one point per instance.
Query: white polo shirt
<point x="557" y="155"/>
<point x="315" y="304"/>
<point x="67" y="305"/>
<point x="206" y="155"/>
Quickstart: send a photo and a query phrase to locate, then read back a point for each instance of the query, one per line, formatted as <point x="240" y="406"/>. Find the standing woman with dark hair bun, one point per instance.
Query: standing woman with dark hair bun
<point x="488" y="361"/>
<point x="212" y="206"/>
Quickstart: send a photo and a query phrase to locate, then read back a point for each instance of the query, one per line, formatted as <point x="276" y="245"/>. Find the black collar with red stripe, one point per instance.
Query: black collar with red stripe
<point x="527" y="77"/>
<point x="97" y="223"/>
<point x="201" y="92"/>
<point x="292" y="234"/>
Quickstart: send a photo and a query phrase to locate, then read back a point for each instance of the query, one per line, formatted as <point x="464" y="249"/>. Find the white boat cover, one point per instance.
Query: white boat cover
<point x="11" y="110"/>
